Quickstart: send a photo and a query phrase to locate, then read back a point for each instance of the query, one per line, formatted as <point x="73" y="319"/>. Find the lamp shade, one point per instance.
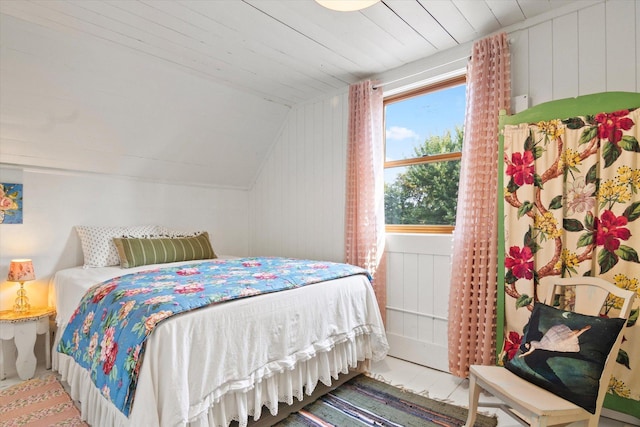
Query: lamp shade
<point x="346" y="5"/>
<point x="21" y="270"/>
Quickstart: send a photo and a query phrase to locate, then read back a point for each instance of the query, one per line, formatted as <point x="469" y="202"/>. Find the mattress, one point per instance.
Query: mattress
<point x="225" y="362"/>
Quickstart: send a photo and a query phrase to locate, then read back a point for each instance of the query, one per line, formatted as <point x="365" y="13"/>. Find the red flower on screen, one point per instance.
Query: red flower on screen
<point x="521" y="168"/>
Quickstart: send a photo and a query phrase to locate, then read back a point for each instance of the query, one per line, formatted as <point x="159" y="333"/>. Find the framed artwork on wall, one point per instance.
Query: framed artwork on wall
<point x="10" y="203"/>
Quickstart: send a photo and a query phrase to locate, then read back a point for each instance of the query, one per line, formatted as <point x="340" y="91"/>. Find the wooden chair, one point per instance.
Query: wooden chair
<point x="535" y="406"/>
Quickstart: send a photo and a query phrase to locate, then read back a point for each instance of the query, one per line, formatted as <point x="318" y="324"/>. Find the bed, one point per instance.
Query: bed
<point x="225" y="362"/>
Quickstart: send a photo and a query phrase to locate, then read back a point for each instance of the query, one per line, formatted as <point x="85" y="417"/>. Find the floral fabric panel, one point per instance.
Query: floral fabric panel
<point x="107" y="333"/>
<point x="572" y="205"/>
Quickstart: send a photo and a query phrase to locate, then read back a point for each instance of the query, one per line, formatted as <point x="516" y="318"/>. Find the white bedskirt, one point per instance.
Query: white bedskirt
<point x="221" y="363"/>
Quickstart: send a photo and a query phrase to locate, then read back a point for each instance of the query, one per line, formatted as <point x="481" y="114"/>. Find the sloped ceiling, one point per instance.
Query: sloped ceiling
<point x="196" y="91"/>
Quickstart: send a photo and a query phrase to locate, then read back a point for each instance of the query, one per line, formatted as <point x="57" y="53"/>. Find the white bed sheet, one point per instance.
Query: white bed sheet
<point x="224" y="362"/>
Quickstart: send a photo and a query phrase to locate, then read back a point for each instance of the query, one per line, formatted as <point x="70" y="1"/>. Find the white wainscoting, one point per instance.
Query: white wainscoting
<point x="418" y="275"/>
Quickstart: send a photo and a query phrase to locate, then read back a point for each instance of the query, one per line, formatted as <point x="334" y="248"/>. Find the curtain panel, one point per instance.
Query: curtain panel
<point x="571" y="208"/>
<point x="472" y="298"/>
<point x="364" y="221"/>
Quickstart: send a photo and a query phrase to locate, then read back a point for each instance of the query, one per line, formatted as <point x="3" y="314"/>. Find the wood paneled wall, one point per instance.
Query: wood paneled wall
<point x="418" y="295"/>
<point x="591" y="50"/>
<point x="297" y="203"/>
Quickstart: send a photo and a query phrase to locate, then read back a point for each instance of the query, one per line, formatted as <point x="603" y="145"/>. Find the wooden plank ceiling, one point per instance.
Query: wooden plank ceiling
<point x="278" y="52"/>
<point x="286" y="51"/>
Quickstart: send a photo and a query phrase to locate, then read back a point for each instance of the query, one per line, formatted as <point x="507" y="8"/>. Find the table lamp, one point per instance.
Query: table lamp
<point x="21" y="270"/>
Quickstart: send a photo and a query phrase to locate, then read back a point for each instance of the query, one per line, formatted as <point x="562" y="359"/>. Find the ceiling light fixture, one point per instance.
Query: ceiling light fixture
<point x="347" y="5"/>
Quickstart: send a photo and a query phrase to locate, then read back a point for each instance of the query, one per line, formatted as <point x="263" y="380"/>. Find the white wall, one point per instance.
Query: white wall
<point x="297" y="203"/>
<point x="297" y="200"/>
<point x="590" y="50"/>
<point x="77" y="102"/>
<point x="296" y="206"/>
<point x="56" y="201"/>
<point x="418" y="279"/>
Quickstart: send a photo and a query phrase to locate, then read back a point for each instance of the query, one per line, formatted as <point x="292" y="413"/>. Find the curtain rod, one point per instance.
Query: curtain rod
<point x="379" y="85"/>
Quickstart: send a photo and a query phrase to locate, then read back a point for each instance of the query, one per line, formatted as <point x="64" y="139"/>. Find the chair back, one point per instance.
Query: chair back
<point x="590" y="295"/>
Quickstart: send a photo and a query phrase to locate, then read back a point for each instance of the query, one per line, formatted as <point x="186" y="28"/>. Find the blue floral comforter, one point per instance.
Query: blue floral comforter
<point x="107" y="333"/>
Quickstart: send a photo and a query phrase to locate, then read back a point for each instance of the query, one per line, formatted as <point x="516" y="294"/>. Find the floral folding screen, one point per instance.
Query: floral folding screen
<point x="571" y="207"/>
<point x="10" y="203"/>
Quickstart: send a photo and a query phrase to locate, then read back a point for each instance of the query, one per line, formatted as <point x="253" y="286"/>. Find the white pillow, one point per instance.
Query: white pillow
<point x="173" y="233"/>
<point x="97" y="242"/>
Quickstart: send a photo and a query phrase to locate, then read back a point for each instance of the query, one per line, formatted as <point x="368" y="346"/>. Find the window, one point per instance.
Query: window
<point x="423" y="143"/>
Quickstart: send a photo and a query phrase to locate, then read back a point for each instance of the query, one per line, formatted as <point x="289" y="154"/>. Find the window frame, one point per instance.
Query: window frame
<point x="419" y="228"/>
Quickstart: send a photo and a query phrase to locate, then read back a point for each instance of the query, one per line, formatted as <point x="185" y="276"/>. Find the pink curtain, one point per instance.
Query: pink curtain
<point x="472" y="299"/>
<point x="364" y="222"/>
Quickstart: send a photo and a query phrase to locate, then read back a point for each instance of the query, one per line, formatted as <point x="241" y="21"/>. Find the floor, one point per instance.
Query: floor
<point x="12" y="380"/>
<point x="443" y="386"/>
<point x="429" y="382"/>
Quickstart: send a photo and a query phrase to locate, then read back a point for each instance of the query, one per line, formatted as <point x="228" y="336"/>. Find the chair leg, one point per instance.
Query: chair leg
<point x="474" y="396"/>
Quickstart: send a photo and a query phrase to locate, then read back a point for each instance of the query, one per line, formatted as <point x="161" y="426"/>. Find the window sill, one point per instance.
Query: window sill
<point x="419" y="229"/>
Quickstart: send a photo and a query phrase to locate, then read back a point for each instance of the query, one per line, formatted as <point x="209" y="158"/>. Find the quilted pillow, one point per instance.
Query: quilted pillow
<point x="134" y="252"/>
<point x="97" y="242"/>
<point x="565" y="353"/>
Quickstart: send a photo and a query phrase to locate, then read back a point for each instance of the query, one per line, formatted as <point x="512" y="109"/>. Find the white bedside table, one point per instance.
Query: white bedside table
<point x="24" y="327"/>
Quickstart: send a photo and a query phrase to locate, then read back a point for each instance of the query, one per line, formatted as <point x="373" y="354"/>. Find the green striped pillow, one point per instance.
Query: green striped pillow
<point x="135" y="251"/>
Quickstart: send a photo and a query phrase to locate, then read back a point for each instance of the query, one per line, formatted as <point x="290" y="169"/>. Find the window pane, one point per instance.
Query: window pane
<point x="422" y="194"/>
<point x="412" y="121"/>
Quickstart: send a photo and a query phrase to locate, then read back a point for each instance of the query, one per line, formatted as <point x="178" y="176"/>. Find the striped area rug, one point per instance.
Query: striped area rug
<point x="364" y="401"/>
<point x="38" y="402"/>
